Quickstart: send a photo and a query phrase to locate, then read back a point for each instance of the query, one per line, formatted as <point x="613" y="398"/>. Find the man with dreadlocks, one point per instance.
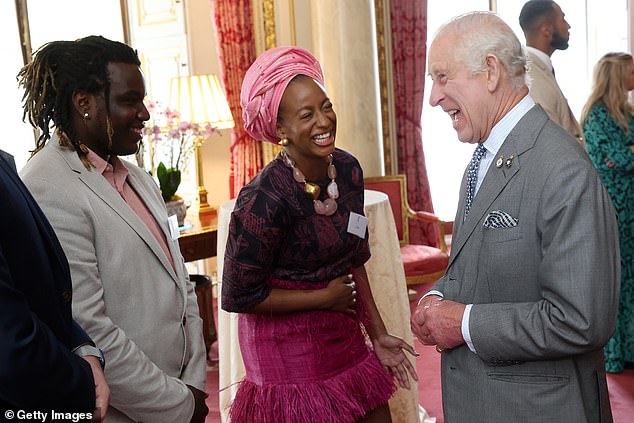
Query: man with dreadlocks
<point x="131" y="294"/>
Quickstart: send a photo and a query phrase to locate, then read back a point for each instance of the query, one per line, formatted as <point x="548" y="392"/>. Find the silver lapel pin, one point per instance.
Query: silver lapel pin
<point x="499" y="162"/>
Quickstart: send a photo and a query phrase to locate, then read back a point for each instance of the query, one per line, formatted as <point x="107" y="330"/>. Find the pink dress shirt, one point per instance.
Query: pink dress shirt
<point x="117" y="175"/>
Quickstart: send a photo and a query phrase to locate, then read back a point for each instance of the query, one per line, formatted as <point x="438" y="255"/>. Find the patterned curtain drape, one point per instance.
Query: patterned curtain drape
<point x="236" y="52"/>
<point x="409" y="49"/>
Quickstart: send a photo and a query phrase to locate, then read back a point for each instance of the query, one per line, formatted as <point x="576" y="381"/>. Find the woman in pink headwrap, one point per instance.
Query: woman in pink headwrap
<point x="294" y="263"/>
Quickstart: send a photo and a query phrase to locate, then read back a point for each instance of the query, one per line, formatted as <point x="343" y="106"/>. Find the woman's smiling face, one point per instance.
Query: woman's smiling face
<point x="306" y="118"/>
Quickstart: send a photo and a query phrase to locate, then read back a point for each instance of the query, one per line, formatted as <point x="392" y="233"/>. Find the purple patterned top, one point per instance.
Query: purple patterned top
<point x="275" y="232"/>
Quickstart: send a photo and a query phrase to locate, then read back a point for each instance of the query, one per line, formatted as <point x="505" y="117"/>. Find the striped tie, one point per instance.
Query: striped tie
<point x="472" y="176"/>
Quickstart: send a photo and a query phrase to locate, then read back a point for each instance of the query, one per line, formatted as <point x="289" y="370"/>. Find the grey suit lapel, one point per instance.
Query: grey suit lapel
<point x="520" y="139"/>
<point x="155" y="209"/>
<point x="100" y="186"/>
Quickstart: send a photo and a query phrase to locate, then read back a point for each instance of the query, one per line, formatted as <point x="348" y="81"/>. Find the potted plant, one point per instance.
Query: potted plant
<point x="169" y="180"/>
<point x="168" y="149"/>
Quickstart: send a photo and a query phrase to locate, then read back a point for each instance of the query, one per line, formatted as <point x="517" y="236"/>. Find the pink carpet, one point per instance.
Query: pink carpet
<point x="621" y="386"/>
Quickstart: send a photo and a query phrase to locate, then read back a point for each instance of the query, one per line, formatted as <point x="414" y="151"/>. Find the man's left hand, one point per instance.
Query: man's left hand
<point x="439" y="322"/>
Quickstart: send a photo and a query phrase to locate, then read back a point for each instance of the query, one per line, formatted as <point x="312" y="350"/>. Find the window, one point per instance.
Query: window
<point x="445" y="156"/>
<point x="48" y="21"/>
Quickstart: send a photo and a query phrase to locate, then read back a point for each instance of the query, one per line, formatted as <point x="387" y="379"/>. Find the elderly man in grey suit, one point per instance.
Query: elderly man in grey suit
<point x="547" y="30"/>
<point x="531" y="291"/>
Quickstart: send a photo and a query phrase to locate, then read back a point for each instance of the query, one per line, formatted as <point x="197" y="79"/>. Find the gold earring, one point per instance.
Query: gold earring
<point x="110" y="132"/>
<point x="283" y="142"/>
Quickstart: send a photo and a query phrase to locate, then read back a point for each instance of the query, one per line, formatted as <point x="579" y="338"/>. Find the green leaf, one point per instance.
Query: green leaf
<point x="169" y="180"/>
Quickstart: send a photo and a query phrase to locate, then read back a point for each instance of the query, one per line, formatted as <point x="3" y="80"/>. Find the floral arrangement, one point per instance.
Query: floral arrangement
<point x="169" y="145"/>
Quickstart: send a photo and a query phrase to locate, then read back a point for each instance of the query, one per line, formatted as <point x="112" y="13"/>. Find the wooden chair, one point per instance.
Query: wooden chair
<point x="204" y="297"/>
<point x="422" y="263"/>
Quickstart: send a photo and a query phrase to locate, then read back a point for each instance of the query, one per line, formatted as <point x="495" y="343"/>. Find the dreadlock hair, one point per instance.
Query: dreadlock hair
<point x="57" y="71"/>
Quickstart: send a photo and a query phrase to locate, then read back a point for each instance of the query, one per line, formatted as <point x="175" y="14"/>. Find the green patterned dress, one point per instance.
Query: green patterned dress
<point x="607" y="140"/>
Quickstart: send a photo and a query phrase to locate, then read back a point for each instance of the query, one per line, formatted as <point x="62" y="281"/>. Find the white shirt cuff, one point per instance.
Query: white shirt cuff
<point x="465" y="328"/>
<point x="432" y="292"/>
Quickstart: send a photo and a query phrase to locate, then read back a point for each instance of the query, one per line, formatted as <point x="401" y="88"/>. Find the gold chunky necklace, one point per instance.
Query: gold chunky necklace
<point x="327" y="207"/>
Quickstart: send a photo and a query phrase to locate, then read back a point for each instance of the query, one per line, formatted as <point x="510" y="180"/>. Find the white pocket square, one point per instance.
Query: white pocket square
<point x="499" y="219"/>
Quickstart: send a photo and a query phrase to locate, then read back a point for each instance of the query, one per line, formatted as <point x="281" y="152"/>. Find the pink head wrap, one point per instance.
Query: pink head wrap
<point x="265" y="83"/>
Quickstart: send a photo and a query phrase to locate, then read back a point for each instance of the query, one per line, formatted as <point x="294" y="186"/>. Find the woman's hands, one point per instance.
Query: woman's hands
<point x="609" y="163"/>
<point x="391" y="353"/>
<point x="340" y="295"/>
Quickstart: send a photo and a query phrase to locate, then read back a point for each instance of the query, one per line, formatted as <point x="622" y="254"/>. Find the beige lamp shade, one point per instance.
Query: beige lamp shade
<point x="200" y="99"/>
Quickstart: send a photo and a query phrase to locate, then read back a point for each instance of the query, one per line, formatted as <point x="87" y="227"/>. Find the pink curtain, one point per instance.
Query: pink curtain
<point x="236" y="52"/>
<point x="409" y="36"/>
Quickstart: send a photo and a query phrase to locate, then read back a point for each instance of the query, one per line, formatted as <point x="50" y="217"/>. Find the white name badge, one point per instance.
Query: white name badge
<point x="357" y="224"/>
<point x="172" y="221"/>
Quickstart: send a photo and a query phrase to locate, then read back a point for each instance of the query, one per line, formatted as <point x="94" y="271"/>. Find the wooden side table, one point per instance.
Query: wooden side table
<point x="199" y="241"/>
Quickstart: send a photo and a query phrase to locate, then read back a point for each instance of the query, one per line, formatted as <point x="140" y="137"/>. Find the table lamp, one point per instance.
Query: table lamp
<point x="201" y="100"/>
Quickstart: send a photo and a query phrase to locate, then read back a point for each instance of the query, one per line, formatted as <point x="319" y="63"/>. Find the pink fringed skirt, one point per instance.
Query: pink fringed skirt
<point x="308" y="367"/>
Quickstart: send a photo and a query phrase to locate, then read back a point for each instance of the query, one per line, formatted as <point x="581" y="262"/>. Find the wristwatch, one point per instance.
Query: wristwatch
<point x="87" y="349"/>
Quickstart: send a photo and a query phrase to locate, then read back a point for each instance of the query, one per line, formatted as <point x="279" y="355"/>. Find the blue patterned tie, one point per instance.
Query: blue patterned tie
<point x="472" y="176"/>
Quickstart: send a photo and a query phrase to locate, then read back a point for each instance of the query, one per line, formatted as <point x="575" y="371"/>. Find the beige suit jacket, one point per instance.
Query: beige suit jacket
<point x="546" y="92"/>
<point x="127" y="296"/>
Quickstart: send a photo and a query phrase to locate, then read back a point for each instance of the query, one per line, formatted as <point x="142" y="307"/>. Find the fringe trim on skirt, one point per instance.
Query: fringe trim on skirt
<point x="343" y="398"/>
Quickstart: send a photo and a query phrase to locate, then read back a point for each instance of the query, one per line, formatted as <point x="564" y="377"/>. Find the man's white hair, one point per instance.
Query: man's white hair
<point x="479" y="34"/>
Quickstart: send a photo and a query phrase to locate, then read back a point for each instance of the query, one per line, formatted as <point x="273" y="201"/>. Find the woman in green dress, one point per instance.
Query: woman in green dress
<point x="608" y="125"/>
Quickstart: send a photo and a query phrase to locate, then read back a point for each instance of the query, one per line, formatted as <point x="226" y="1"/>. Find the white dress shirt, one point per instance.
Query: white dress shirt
<point x="492" y="144"/>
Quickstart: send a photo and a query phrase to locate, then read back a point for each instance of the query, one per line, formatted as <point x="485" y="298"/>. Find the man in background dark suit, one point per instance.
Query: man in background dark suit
<point x="38" y="368"/>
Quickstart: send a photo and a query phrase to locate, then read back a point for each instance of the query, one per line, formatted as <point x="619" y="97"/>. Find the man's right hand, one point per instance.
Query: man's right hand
<point x="102" y="391"/>
<point x="200" y="407"/>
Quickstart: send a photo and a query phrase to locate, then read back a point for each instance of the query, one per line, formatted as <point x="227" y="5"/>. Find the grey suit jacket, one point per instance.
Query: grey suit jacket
<point x="126" y="295"/>
<point x="546" y="92"/>
<point x="544" y="292"/>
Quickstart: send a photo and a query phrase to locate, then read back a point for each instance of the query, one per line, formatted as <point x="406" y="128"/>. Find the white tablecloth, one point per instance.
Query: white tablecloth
<point x="387" y="281"/>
